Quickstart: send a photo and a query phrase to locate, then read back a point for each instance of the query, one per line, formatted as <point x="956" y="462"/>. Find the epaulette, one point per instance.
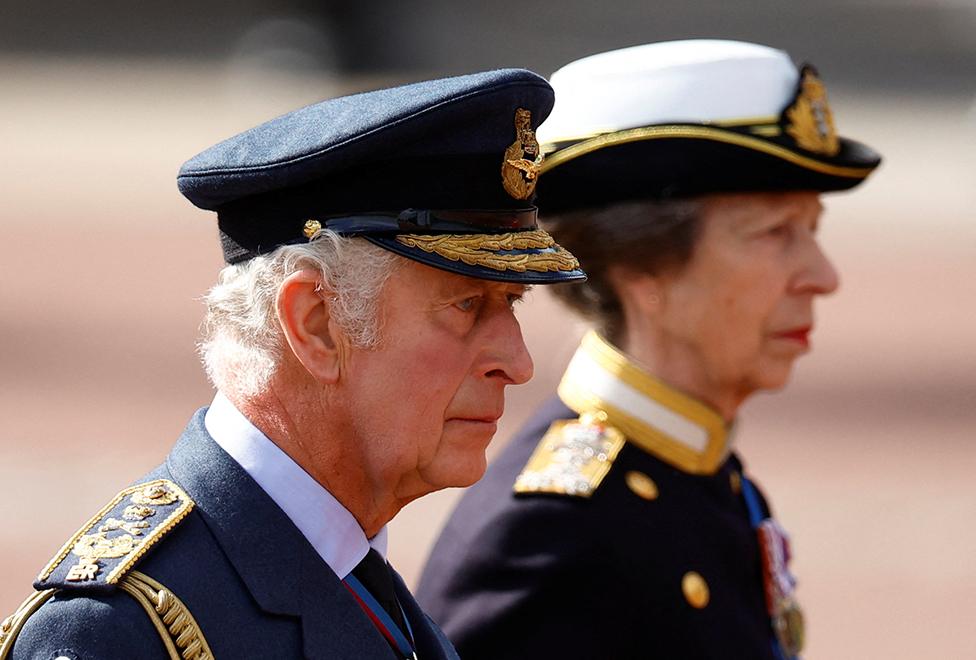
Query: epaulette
<point x="572" y="458"/>
<point x="109" y="545"/>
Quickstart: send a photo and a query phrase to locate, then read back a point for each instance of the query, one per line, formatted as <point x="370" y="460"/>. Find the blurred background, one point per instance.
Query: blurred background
<point x="869" y="455"/>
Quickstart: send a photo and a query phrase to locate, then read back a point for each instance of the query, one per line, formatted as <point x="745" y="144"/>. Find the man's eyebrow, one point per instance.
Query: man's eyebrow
<point x="454" y="288"/>
<point x="457" y="288"/>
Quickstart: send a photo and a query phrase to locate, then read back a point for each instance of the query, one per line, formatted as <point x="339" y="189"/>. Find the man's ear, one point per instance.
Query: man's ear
<point x="302" y="305"/>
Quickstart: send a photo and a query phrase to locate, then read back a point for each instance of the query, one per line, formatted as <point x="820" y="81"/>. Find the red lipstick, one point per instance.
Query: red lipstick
<point x="799" y="335"/>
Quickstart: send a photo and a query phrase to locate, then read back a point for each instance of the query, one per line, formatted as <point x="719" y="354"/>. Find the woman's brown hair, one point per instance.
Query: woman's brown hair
<point x="642" y="236"/>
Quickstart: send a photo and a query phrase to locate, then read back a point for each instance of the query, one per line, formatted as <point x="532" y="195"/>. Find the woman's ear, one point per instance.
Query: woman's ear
<point x="304" y="313"/>
<point x="641" y="294"/>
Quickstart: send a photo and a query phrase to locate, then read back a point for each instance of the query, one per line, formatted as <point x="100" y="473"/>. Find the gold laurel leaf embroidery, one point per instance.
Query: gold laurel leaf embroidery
<point x="154" y="494"/>
<point x="480" y="250"/>
<point x="137" y="512"/>
<point x="98" y="546"/>
<point x="134" y="527"/>
<point x="811" y="121"/>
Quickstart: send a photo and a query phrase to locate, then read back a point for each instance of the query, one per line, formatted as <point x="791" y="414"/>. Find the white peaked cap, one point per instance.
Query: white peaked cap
<point x="685" y="118"/>
<point x="694" y="81"/>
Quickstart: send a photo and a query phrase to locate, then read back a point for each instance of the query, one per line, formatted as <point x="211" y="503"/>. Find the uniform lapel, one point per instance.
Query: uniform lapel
<point x="277" y="564"/>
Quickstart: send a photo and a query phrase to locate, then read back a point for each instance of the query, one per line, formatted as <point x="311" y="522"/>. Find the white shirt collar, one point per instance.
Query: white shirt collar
<point x="322" y="520"/>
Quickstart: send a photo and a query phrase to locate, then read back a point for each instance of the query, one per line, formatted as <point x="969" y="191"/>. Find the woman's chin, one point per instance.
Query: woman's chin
<point x="775" y="374"/>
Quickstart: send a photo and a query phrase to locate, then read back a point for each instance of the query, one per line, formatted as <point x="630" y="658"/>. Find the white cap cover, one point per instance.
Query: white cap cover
<point x="691" y="117"/>
<point x="694" y="81"/>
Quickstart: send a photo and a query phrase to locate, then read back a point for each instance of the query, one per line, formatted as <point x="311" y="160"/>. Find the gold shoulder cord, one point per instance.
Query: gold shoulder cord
<point x="178" y="630"/>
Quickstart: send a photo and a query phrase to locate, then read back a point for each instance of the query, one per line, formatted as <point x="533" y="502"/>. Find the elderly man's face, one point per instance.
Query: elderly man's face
<point x="422" y="408"/>
<point x="742" y="308"/>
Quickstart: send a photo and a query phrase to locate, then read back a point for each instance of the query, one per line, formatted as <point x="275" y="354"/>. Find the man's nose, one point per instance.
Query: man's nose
<point x="508" y="358"/>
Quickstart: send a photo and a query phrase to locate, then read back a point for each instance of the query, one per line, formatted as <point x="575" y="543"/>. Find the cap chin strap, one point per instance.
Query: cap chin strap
<point x="413" y="221"/>
<point x="244" y="238"/>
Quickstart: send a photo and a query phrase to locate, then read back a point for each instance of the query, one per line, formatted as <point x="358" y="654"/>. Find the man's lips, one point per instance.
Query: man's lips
<point x="483" y="419"/>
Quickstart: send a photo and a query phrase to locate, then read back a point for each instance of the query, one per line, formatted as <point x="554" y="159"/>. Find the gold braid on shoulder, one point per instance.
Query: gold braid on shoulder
<point x="178" y="630"/>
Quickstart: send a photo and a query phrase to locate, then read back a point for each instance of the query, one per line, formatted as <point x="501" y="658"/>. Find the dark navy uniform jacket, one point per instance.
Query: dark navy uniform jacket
<point x="549" y="576"/>
<point x="253" y="583"/>
<point x="652" y="562"/>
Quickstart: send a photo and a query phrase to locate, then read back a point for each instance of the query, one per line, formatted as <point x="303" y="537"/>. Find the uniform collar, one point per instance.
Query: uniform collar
<point x="660" y="420"/>
<point x="327" y="525"/>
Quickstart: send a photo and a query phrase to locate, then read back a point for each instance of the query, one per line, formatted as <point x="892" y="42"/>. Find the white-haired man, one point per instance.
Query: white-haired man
<point x="360" y="338"/>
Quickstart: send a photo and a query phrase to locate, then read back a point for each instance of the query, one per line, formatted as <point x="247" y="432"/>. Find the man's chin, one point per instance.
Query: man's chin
<point x="461" y="459"/>
<point x="460" y="475"/>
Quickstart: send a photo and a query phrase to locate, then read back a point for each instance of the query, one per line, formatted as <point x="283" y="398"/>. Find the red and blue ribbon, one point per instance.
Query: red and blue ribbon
<point x="382" y="619"/>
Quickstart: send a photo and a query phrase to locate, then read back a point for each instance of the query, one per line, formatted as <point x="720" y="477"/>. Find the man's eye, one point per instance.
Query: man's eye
<point x="467" y="304"/>
<point x="514" y="299"/>
<point x="779" y="230"/>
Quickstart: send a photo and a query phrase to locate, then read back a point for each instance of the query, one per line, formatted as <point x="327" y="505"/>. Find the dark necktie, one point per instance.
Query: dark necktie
<point x="375" y="575"/>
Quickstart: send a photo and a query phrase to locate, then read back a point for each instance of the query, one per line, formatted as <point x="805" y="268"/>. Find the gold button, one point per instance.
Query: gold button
<point x="735" y="481"/>
<point x="311" y="228"/>
<point x="641" y="484"/>
<point x="695" y="589"/>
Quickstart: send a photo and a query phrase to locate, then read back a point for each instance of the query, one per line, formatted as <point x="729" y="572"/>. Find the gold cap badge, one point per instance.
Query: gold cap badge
<point x="520" y="167"/>
<point x="810" y="121"/>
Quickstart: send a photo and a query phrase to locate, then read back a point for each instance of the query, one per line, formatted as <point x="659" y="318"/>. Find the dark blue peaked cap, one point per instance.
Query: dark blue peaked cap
<point x="442" y="172"/>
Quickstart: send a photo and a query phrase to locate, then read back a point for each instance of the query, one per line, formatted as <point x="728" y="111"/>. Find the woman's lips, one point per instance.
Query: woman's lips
<point x="799" y="335"/>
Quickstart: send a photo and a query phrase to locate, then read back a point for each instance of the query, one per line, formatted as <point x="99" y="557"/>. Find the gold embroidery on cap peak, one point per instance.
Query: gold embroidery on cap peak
<point x="481" y="250"/>
<point x="520" y="167"/>
<point x="811" y="123"/>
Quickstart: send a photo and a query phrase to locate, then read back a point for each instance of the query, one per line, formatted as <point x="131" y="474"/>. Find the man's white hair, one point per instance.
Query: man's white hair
<point x="242" y="340"/>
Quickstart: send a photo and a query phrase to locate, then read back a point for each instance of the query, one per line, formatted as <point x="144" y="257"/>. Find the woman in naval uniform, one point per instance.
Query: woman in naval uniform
<point x="686" y="176"/>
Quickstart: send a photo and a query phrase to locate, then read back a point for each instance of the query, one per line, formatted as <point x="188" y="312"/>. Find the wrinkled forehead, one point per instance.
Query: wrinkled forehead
<point x="426" y="282"/>
<point x="753" y="207"/>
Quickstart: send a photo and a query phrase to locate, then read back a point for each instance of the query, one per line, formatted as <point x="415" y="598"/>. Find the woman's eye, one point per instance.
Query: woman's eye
<point x="778" y="230"/>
